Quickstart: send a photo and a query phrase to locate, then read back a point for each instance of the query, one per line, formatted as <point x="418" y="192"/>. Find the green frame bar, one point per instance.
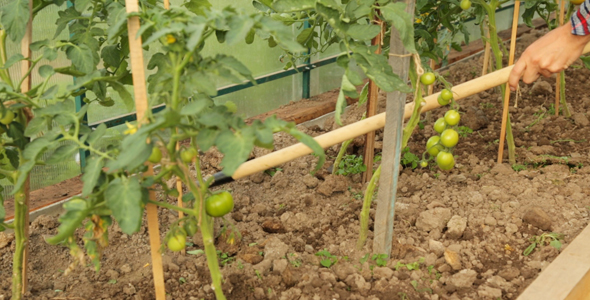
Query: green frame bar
<point x="130" y="117"/>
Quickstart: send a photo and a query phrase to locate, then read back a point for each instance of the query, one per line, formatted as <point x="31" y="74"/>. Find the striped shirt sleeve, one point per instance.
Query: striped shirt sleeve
<point x="581" y="19"/>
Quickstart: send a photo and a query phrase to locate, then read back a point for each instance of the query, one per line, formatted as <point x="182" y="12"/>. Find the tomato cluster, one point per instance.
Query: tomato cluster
<point x="440" y="146"/>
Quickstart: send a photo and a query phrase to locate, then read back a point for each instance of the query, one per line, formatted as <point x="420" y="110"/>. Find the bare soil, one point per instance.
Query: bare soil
<point x="462" y="232"/>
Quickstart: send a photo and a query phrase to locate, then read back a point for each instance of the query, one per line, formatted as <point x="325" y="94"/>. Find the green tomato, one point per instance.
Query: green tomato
<point x="445" y="161"/>
<point x="220" y="204"/>
<point x="187" y="155"/>
<point x="446" y="94"/>
<point x="449" y="138"/>
<point x="8" y="118"/>
<point x="156" y="155"/>
<point x="427" y="78"/>
<point x="465" y="4"/>
<point x="432" y="145"/>
<point x="442" y="101"/>
<point x="190" y="226"/>
<point x="177" y="242"/>
<point x="440" y="125"/>
<point x="452" y="117"/>
<point x="423" y="164"/>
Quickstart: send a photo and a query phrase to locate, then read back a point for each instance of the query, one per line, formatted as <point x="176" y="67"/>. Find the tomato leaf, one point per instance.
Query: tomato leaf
<point x="16" y="132"/>
<point x="124" y="197"/>
<point x="116" y="21"/>
<point x="91" y="174"/>
<point x="15" y="16"/>
<point x="235" y="146"/>
<point x="96" y="134"/>
<point x="312" y="144"/>
<point x="206" y="138"/>
<point x="62" y="153"/>
<point x="13" y="60"/>
<point x="239" y="29"/>
<point x="197" y="7"/>
<point x="124" y="94"/>
<point x="82" y="57"/>
<point x="111" y="55"/>
<point x="80" y="5"/>
<point x="35" y="126"/>
<point x="134" y="152"/>
<point x="396" y="14"/>
<point x="12" y="157"/>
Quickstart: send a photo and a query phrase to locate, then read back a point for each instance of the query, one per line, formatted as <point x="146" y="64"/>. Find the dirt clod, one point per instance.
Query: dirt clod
<point x="538" y="218"/>
<point x="273" y="226"/>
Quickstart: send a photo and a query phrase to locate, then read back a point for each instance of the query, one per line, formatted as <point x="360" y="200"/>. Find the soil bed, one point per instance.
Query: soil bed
<point x="458" y="234"/>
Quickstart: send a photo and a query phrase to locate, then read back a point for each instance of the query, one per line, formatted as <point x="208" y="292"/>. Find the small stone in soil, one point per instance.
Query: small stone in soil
<point x="273" y="226"/>
<point x="5" y="239"/>
<point x="538" y="218"/>
<point x="453" y="259"/>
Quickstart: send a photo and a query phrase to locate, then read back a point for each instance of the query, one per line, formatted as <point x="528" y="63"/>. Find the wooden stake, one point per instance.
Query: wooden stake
<point x="507" y="90"/>
<point x="488" y="49"/>
<point x="372" y="103"/>
<point x="558" y="82"/>
<point x="392" y="140"/>
<point x="25" y="87"/>
<point x="141" y="105"/>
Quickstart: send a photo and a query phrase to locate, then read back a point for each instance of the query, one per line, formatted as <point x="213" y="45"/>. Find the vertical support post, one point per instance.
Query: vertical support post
<point x="141" y="105"/>
<point x="515" y="17"/>
<point x="25" y="87"/>
<point x="558" y="82"/>
<point x="306" y="84"/>
<point x="372" y="101"/>
<point x="488" y="49"/>
<point x="391" y="146"/>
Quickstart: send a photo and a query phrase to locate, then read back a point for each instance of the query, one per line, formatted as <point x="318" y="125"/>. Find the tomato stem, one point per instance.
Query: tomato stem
<point x="364" y="216"/>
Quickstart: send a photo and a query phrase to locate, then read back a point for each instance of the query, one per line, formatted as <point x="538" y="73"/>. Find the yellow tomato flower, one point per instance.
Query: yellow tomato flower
<point x="418" y="21"/>
<point x="131" y="129"/>
<point x="170" y="39"/>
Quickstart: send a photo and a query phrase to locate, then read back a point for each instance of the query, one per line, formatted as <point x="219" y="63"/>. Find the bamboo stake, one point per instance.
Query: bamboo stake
<point x="342" y="134"/>
<point x="25" y="87"/>
<point x="558" y="82"/>
<point x="372" y="102"/>
<point x="141" y="105"/>
<point x="507" y="91"/>
<point x="488" y="49"/>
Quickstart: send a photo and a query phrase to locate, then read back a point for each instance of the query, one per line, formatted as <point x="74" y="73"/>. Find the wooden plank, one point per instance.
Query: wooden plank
<point x="392" y="138"/>
<point x="567" y="277"/>
<point x="141" y="106"/>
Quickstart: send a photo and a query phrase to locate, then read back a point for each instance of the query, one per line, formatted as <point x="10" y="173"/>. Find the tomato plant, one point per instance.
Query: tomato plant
<point x="182" y="77"/>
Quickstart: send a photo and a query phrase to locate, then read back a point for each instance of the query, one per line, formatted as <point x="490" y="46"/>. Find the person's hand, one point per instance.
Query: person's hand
<point x="550" y="54"/>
